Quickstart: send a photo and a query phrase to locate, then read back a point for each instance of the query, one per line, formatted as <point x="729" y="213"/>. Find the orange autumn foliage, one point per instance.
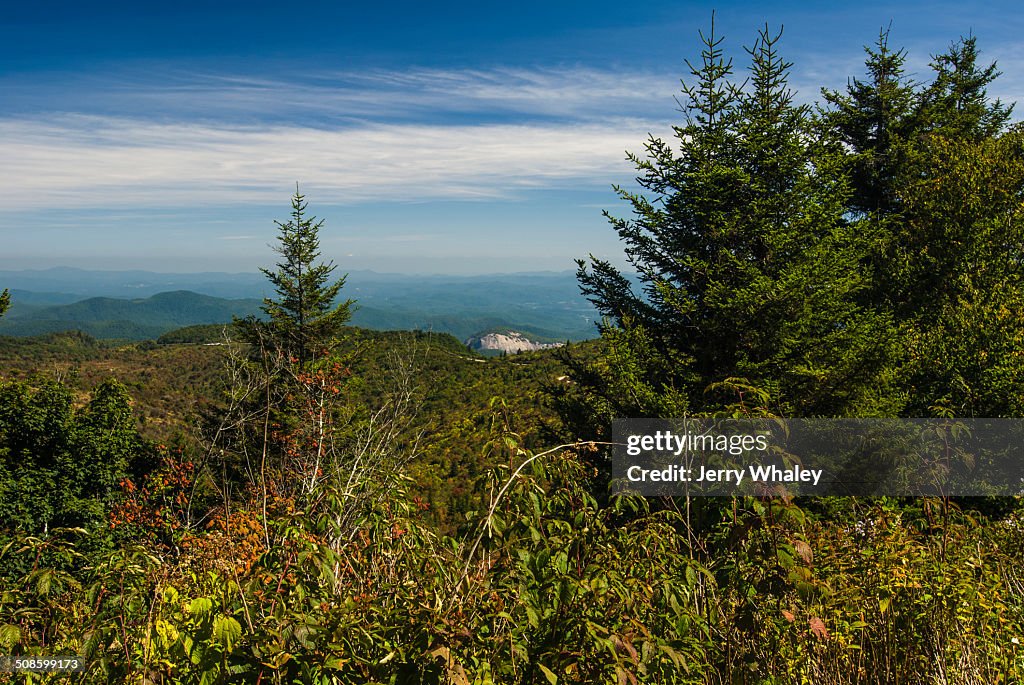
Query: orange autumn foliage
<point x="231" y="542"/>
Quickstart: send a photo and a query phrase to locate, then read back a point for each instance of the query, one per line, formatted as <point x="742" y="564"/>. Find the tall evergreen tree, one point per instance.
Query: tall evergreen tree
<point x="747" y="266"/>
<point x="934" y="172"/>
<point x="887" y="124"/>
<point x="5" y="301"/>
<point x="874" y="119"/>
<point x="962" y="231"/>
<point x="956" y="104"/>
<point x="276" y="383"/>
<point x="305" y="320"/>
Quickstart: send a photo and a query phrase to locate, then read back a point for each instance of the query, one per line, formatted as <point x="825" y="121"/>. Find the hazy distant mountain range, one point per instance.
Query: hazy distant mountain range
<point x="140" y="305"/>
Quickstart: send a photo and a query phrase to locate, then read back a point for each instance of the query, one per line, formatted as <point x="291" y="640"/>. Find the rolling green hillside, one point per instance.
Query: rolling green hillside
<point x="138" y="319"/>
<point x="454" y="391"/>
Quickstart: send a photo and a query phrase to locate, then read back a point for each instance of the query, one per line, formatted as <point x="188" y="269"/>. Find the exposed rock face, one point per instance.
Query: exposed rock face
<point x="509" y="342"/>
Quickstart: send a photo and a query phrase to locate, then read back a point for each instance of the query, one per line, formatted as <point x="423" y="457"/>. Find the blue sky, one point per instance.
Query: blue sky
<point x="431" y="137"/>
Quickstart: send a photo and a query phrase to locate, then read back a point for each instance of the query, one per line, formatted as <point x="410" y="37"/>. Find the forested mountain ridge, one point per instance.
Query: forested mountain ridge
<point x="141" y="318"/>
<point x="136" y="319"/>
<point x="543" y="305"/>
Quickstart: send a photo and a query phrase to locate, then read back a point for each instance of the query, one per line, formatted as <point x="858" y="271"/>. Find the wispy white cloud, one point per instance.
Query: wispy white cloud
<point x="175" y="139"/>
<point x="86" y="161"/>
<point x="580" y="93"/>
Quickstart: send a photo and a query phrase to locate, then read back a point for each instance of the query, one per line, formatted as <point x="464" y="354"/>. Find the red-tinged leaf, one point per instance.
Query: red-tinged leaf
<point x="818" y="628"/>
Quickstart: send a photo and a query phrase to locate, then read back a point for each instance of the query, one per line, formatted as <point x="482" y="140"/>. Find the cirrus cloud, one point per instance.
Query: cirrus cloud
<point x="90" y="161"/>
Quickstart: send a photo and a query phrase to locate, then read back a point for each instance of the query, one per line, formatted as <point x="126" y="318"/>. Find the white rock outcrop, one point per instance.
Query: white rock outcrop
<point x="510" y="342"/>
